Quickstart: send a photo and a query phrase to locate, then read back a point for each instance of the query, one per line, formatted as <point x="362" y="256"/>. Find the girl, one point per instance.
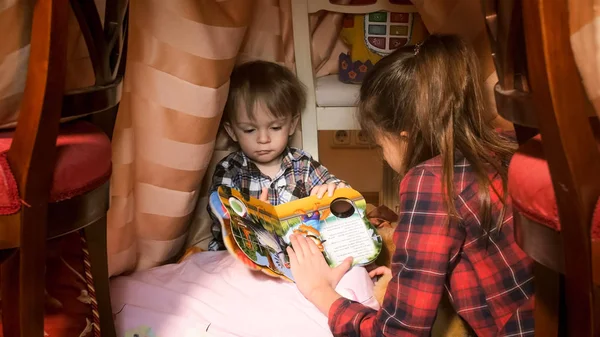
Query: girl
<point x="424" y="106"/>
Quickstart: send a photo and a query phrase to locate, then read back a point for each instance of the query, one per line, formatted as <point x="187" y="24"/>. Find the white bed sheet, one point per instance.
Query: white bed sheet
<point x="330" y="92"/>
<point x="214" y="290"/>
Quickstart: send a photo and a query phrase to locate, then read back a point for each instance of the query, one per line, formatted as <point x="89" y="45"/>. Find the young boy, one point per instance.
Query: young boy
<point x="262" y="110"/>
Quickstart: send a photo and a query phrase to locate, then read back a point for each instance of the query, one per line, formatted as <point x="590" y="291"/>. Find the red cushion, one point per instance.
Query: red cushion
<point x="83" y="163"/>
<point x="531" y="188"/>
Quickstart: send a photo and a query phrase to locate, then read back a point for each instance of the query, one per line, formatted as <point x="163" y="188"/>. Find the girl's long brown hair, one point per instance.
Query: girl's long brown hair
<point x="433" y="93"/>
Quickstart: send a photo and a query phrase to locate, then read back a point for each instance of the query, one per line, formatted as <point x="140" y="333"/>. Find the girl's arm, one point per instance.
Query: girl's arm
<point x="424" y="246"/>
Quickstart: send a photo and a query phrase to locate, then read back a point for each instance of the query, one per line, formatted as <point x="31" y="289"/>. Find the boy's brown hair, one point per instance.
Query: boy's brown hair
<point x="268" y="83"/>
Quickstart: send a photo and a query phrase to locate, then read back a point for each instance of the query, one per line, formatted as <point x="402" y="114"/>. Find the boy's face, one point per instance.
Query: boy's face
<point x="263" y="138"/>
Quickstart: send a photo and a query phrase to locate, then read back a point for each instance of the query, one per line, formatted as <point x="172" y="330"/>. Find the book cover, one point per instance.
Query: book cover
<point x="258" y="233"/>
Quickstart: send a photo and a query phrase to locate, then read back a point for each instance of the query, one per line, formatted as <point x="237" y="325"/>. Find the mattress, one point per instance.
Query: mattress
<point x="330" y="92"/>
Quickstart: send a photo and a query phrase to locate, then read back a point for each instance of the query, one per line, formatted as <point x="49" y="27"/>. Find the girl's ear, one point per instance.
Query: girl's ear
<point x="229" y="130"/>
<point x="293" y="125"/>
<point x="404" y="134"/>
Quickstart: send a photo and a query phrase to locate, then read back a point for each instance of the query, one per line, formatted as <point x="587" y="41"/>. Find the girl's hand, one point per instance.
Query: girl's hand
<point x="380" y="271"/>
<point x="320" y="190"/>
<point x="313" y="276"/>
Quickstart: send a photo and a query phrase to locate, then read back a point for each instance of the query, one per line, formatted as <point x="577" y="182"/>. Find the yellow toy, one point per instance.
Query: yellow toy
<point x="374" y="35"/>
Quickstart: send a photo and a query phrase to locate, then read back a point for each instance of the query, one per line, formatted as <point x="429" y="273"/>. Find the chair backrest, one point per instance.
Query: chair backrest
<point x="562" y="110"/>
<point x="44" y="102"/>
<point x="107" y="48"/>
<point x="546" y="93"/>
<point x="31" y="155"/>
<point x="504" y="25"/>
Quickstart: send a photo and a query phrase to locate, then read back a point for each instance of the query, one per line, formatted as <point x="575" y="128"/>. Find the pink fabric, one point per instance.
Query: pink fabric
<point x="83" y="162"/>
<point x="9" y="193"/>
<point x="531" y="188"/>
<point x="213" y="288"/>
<point x="596" y="221"/>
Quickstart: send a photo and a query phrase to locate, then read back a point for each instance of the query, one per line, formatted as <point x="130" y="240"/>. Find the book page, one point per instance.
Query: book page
<point x="337" y="225"/>
<point x="256" y="230"/>
<point x="345" y="237"/>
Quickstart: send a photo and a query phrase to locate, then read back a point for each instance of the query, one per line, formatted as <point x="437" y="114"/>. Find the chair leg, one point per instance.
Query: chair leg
<point x="95" y="235"/>
<point x="596" y="308"/>
<point x="547" y="299"/>
<point x="32" y="272"/>
<point x="9" y="290"/>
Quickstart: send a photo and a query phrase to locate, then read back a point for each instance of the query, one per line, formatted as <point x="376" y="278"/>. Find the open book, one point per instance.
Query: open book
<point x="258" y="233"/>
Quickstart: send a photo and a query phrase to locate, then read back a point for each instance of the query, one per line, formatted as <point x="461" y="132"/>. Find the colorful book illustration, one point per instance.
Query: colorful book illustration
<point x="258" y="233"/>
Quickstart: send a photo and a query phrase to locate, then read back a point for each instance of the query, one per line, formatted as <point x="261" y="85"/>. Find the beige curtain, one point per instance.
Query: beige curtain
<point x="584" y="23"/>
<point x="270" y="36"/>
<point x="180" y="57"/>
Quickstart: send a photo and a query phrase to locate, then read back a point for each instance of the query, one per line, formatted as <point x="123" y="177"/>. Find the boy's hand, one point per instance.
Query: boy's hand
<point x="264" y="195"/>
<point x="320" y="190"/>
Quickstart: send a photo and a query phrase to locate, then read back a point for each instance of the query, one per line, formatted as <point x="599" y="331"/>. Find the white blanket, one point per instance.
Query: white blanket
<point x="214" y="291"/>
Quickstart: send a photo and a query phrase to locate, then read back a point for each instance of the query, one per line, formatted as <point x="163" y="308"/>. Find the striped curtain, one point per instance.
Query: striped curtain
<point x="584" y="24"/>
<point x="180" y="56"/>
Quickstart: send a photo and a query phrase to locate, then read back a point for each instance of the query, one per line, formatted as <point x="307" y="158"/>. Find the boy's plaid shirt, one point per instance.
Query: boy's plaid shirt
<point x="298" y="175"/>
<point x="488" y="279"/>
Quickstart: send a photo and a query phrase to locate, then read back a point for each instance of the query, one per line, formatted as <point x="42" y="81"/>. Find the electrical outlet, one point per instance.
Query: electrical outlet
<point x="360" y="139"/>
<point x="341" y="138"/>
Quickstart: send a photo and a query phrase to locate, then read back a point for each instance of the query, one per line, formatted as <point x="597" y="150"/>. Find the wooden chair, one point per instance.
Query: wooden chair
<point x="554" y="184"/>
<point x="55" y="177"/>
